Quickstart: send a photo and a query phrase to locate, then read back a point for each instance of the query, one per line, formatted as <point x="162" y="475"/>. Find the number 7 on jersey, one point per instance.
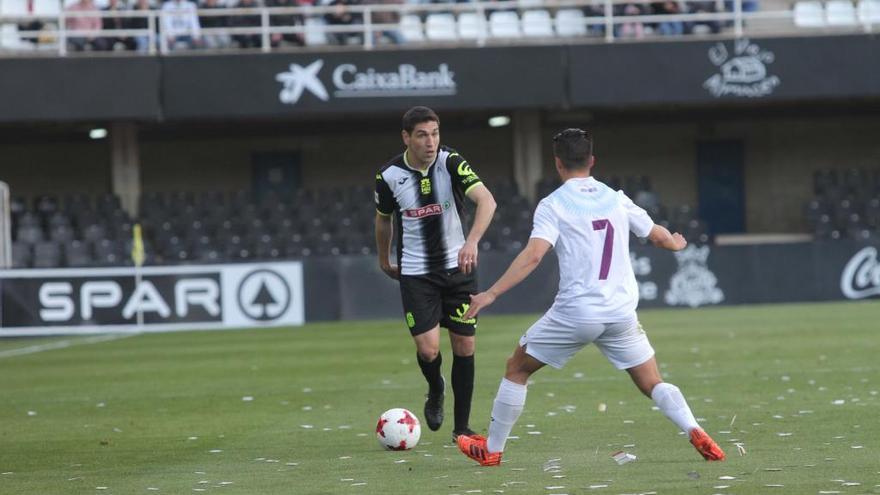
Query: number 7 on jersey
<point x="608" y="248"/>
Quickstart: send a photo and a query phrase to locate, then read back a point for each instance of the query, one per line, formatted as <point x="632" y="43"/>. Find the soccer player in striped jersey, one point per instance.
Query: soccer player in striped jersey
<point x="423" y="189"/>
<point x="588" y="224"/>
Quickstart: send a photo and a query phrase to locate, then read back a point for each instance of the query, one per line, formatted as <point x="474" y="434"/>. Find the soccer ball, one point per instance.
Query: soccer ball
<point x="398" y="429"/>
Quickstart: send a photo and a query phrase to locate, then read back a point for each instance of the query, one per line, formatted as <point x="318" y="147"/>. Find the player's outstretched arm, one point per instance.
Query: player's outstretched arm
<point x="524" y="263"/>
<point x="467" y="256"/>
<point x="661" y="237"/>
<point x="384" y="232"/>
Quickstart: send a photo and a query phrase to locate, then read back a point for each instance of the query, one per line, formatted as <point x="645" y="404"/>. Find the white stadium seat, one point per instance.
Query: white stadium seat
<point x="869" y="11"/>
<point x="411" y="28"/>
<point x="809" y="14"/>
<point x="13" y="7"/>
<point x="440" y="27"/>
<point x="570" y="22"/>
<point x="840" y="13"/>
<point x="472" y="26"/>
<point x="504" y="24"/>
<point x="10" y="40"/>
<point x="46" y="7"/>
<point x="314" y="31"/>
<point x="537" y="24"/>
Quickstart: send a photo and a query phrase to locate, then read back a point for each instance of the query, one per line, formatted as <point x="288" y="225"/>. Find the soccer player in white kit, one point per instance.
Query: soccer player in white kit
<point x="588" y="224"/>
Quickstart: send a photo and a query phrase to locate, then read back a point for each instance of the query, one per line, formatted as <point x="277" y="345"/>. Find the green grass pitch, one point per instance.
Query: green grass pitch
<point x="293" y="411"/>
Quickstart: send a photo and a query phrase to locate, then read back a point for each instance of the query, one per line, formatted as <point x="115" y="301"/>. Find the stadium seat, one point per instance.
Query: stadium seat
<point x="411" y="28"/>
<point x="10" y="39"/>
<point x="504" y="24"/>
<point x="869" y="11"/>
<point x="472" y="26"/>
<point x="537" y="24"/>
<point x="314" y="31"/>
<point x="30" y="234"/>
<point x="46" y="7"/>
<point x="809" y="14"/>
<point x="13" y="7"/>
<point x="47" y="255"/>
<point x="840" y="13"/>
<point x="21" y="255"/>
<point x="570" y="22"/>
<point x="440" y="27"/>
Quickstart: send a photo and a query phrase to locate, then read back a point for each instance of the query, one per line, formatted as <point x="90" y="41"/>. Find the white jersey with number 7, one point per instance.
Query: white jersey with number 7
<point x="588" y="224"/>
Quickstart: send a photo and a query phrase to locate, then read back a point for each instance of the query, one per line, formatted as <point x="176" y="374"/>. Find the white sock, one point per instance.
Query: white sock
<point x="508" y="405"/>
<point x="669" y="399"/>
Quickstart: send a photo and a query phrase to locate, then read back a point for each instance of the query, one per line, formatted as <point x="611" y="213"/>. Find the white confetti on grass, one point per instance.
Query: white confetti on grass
<point x="727" y="478"/>
<point x="247" y="398"/>
<point x="215" y="451"/>
<point x="307" y="427"/>
<point x="32" y="413"/>
<point x="100" y="488"/>
<point x="345" y="457"/>
<point x="360" y="483"/>
<point x="786" y="434"/>
<point x="152" y="489"/>
<point x="838" y="402"/>
<point x="596" y="487"/>
<point x="193" y="438"/>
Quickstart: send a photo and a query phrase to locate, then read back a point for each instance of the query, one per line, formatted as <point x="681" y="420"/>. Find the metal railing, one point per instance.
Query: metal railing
<point x="599" y="26"/>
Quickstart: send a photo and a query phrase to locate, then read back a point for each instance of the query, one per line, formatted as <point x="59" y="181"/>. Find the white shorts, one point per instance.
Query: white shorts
<point x="554" y="341"/>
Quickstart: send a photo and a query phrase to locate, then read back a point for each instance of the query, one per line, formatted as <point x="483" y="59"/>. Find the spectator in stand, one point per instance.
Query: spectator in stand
<point x="180" y="24"/>
<point x="595" y="9"/>
<point x="80" y="42"/>
<point x="629" y="29"/>
<point x="142" y="42"/>
<point x="707" y="6"/>
<point x="747" y="6"/>
<point x="669" y="28"/>
<point x="285" y="20"/>
<point x="116" y="23"/>
<point x="386" y="17"/>
<point x="214" y="40"/>
<point x="342" y="16"/>
<point x="247" y="20"/>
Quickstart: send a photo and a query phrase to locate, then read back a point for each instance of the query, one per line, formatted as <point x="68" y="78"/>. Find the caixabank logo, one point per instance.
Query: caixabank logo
<point x="41" y="302"/>
<point x="352" y="81"/>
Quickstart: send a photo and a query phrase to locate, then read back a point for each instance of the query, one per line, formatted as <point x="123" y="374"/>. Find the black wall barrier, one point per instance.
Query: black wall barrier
<point x="293" y="85"/>
<point x="79" y="88"/>
<point x="773" y="69"/>
<point x="318" y="83"/>
<point x="42" y="302"/>
<point x="698" y="276"/>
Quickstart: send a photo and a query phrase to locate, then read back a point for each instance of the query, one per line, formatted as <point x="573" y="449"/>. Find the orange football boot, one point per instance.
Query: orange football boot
<point x="475" y="448"/>
<point x="706" y="446"/>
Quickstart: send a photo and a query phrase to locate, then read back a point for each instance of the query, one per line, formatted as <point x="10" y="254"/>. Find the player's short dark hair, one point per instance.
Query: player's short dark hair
<point x="573" y="147"/>
<point x="416" y="115"/>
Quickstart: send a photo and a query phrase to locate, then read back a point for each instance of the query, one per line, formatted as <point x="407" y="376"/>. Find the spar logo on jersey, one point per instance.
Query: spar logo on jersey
<point x="693" y="284"/>
<point x="424" y="211"/>
<point x="861" y="276"/>
<point x="351" y="81"/>
<point x="742" y="73"/>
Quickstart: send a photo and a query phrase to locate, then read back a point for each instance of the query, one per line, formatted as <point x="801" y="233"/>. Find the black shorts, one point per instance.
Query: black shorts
<point x="442" y="298"/>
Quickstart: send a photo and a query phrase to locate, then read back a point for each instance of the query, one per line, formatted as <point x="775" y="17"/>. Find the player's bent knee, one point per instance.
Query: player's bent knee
<point x="428" y="352"/>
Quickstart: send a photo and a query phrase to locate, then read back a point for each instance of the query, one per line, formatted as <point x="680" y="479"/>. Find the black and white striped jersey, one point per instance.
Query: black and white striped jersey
<point x="428" y="208"/>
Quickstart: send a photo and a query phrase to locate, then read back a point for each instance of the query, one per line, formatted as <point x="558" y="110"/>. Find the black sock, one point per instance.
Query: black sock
<point x="463" y="387"/>
<point x="431" y="370"/>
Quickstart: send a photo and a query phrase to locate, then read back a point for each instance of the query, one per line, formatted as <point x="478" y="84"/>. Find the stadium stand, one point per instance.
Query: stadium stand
<point x="844" y="206"/>
<point x="187" y="227"/>
<point x="312" y="23"/>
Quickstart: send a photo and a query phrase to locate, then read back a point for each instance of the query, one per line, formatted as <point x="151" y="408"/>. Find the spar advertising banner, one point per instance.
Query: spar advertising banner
<point x="95" y="300"/>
